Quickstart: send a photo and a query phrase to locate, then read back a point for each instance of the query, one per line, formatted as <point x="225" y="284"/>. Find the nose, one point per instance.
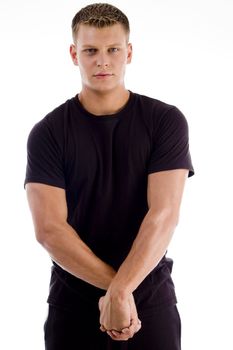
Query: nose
<point x="102" y="60"/>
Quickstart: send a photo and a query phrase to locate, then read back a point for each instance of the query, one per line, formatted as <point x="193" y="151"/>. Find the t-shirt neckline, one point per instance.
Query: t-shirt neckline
<point x="116" y="115"/>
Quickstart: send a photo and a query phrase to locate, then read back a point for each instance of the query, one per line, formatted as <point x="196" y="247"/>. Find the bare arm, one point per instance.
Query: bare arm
<point x="164" y="195"/>
<point x="49" y="212"/>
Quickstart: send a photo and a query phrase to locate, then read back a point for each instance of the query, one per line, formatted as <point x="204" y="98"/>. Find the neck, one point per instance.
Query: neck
<point x="100" y="103"/>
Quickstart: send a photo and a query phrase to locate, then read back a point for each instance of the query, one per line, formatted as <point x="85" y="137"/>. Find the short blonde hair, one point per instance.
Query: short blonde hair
<point x="99" y="15"/>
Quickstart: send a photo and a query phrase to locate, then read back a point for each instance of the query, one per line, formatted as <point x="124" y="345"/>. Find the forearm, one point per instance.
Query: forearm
<point x="147" y="250"/>
<point x="67" y="249"/>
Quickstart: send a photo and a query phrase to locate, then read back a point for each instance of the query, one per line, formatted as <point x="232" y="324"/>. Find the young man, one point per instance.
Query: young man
<point x="105" y="176"/>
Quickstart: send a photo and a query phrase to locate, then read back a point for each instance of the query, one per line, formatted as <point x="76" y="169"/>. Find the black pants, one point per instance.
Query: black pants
<point x="68" y="330"/>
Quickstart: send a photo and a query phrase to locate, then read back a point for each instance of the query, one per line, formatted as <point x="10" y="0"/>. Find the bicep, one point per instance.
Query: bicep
<point x="47" y="204"/>
<point x="165" y="189"/>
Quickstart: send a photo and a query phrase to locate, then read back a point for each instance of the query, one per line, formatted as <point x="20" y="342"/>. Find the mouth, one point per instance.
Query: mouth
<point x="102" y="75"/>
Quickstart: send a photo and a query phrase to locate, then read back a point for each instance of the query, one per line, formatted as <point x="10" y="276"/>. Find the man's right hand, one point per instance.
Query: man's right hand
<point x="119" y="317"/>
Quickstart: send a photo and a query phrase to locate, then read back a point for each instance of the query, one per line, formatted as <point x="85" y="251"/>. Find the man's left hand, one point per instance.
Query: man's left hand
<point x="118" y="317"/>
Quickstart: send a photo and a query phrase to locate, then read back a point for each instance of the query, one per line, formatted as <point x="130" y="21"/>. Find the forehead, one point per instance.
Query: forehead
<point x="90" y="35"/>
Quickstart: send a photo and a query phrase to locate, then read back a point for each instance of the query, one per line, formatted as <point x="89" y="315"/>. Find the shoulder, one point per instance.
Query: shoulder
<point x="150" y="103"/>
<point x="159" y="111"/>
<point x="53" y="122"/>
<point x="58" y="114"/>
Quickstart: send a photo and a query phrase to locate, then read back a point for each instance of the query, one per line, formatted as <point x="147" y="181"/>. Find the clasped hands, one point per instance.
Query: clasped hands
<point x="118" y="316"/>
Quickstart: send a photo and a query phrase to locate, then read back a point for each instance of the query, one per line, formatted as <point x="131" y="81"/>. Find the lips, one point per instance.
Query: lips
<point x="102" y="74"/>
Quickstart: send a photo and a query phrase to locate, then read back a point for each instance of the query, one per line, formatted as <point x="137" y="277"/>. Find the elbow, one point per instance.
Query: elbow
<point x="170" y="221"/>
<point x="175" y="219"/>
<point x="43" y="235"/>
<point x="46" y="235"/>
<point x="166" y="217"/>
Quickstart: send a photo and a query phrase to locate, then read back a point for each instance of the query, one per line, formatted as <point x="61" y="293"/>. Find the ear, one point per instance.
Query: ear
<point x="73" y="54"/>
<point x="130" y="53"/>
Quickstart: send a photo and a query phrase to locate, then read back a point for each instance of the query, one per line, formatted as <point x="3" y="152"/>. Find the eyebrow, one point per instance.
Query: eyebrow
<point x="90" y="45"/>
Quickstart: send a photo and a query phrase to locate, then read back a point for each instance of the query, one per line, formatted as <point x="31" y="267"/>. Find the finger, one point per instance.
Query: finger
<point x="118" y="336"/>
<point x="134" y="313"/>
<point x="129" y="332"/>
<point x="100" y="302"/>
<point x="134" y="328"/>
<point x="138" y="326"/>
<point x="102" y="328"/>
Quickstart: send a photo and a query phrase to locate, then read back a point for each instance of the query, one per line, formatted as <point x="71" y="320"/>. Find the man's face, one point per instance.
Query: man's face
<point x="102" y="55"/>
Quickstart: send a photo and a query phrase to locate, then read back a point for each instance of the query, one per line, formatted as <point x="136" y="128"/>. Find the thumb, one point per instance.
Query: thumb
<point x="100" y="302"/>
<point x="134" y="313"/>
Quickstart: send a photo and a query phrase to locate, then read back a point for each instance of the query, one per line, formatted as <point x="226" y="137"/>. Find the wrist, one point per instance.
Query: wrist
<point x="118" y="293"/>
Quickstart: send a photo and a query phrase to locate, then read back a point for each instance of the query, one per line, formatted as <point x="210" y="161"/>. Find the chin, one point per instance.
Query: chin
<point x="103" y="89"/>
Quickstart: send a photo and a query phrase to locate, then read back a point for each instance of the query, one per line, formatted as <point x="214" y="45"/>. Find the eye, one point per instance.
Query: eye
<point x="113" y="49"/>
<point x="90" y="51"/>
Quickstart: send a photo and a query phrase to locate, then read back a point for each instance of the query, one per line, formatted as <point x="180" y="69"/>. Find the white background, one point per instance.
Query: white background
<point x="183" y="55"/>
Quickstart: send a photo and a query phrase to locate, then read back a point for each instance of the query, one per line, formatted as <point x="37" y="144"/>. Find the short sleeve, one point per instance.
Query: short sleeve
<point x="44" y="157"/>
<point x="170" y="149"/>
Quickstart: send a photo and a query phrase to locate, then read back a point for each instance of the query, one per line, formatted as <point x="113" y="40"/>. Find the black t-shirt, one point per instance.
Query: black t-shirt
<point x="103" y="163"/>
